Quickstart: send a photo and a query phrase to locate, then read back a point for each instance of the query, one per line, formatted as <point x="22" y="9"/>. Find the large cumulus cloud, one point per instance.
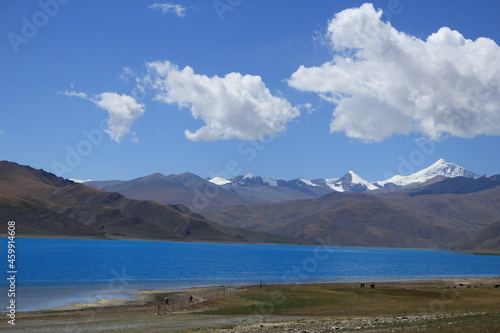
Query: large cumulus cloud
<point x="234" y="106"/>
<point x="385" y="82"/>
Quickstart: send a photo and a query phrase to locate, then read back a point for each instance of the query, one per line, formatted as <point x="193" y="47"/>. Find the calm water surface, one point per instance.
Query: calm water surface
<point x="53" y="272"/>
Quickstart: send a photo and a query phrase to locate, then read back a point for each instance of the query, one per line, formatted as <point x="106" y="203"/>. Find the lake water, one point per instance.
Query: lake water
<point x="54" y="272"/>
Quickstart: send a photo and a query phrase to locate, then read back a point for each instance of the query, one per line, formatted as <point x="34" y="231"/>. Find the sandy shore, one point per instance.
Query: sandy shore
<point x="151" y="311"/>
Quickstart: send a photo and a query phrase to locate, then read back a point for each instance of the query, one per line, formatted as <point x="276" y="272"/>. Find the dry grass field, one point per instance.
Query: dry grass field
<point x="465" y="305"/>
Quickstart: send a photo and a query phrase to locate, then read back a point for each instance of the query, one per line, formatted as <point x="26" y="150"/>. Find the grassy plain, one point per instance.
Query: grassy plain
<point x="464" y="305"/>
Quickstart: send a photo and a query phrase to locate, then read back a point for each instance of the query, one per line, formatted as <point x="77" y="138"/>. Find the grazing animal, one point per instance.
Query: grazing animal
<point x="372" y="286"/>
<point x="362" y="285"/>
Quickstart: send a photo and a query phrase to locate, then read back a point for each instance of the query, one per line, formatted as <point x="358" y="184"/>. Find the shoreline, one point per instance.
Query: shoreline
<point x="242" y="309"/>
<point x="134" y="239"/>
<point x="149" y="296"/>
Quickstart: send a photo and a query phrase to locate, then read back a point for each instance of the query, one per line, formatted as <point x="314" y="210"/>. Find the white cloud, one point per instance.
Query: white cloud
<point x="79" y="180"/>
<point x="385" y="82"/>
<point x="307" y="107"/>
<point x="233" y="106"/>
<point x="168" y="7"/>
<point x="123" y="111"/>
<point x="72" y="93"/>
<point x="126" y="74"/>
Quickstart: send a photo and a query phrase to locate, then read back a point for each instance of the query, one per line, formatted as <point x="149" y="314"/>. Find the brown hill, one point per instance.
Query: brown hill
<point x="201" y="195"/>
<point x="488" y="240"/>
<point x="189" y="189"/>
<point x="45" y="205"/>
<point x="388" y="220"/>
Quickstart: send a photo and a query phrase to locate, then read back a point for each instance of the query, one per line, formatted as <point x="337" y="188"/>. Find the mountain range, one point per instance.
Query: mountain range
<point x="440" y="213"/>
<point x="204" y="195"/>
<point x="352" y="182"/>
<point x="440" y="207"/>
<point x="43" y="204"/>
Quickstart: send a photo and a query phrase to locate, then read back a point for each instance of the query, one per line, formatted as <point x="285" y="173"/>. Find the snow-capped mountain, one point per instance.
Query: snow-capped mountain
<point x="204" y="195"/>
<point x="245" y="180"/>
<point x="351" y="182"/>
<point x="440" y="168"/>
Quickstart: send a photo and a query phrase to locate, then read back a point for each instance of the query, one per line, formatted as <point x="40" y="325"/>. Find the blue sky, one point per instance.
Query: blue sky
<point x="122" y="89"/>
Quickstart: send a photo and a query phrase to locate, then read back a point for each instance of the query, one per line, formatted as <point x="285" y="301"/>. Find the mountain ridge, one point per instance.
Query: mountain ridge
<point x="441" y="213"/>
<point x="352" y="182"/>
<point x="394" y="219"/>
<point x="43" y="204"/>
<point x="217" y="193"/>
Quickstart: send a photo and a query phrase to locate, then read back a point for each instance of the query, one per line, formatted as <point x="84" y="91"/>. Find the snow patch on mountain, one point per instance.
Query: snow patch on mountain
<point x="269" y="181"/>
<point x="334" y="185"/>
<point x="251" y="179"/>
<point x="307" y="182"/>
<point x="440" y="168"/>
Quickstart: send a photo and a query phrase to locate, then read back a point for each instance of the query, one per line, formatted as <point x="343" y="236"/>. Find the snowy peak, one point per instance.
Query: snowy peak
<point x="357" y="180"/>
<point x="450" y="170"/>
<point x="249" y="179"/>
<point x="440" y="168"/>
<point x="350" y="182"/>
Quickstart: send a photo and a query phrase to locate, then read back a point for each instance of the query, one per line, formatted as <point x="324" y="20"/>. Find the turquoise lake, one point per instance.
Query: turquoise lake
<point x="54" y="272"/>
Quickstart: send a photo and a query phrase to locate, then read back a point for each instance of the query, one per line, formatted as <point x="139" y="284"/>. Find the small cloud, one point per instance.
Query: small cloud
<point x="307" y="107"/>
<point x="126" y="74"/>
<point x="168" y="7"/>
<point x="79" y="180"/>
<point x="72" y="93"/>
<point x="123" y="111"/>
<point x="134" y="138"/>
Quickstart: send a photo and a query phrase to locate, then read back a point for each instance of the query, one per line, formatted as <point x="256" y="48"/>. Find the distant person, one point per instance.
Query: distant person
<point x="166" y="300"/>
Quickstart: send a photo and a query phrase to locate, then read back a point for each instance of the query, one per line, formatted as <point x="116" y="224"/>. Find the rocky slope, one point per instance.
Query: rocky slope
<point x="415" y="218"/>
<point x="45" y="205"/>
